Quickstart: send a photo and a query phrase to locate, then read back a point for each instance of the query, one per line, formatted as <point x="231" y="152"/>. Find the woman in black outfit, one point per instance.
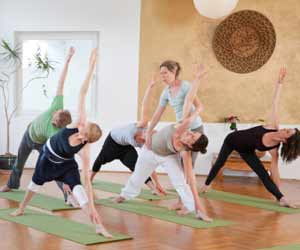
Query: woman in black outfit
<point x="262" y="138"/>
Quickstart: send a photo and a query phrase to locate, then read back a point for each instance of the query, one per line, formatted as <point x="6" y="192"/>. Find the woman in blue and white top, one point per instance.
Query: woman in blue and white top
<point x="174" y="94"/>
<point x="166" y="145"/>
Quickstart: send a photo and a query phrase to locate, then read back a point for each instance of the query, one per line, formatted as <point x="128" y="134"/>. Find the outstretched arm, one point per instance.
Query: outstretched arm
<point x="274" y="167"/>
<point x="189" y="100"/>
<point x="155" y="119"/>
<point x="61" y="82"/>
<point x="274" y="116"/>
<point x="158" y="186"/>
<point x="191" y="180"/>
<point x="85" y="87"/>
<point x="85" y="157"/>
<point x="90" y="208"/>
<point x="145" y="112"/>
<point x="192" y="94"/>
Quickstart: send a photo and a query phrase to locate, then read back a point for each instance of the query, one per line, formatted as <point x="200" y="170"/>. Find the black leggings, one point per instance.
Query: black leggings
<point x="252" y="160"/>
<point x="114" y="151"/>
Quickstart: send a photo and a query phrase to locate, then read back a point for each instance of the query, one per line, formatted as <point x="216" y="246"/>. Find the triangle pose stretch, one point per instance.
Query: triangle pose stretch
<point x="56" y="160"/>
<point x="175" y="94"/>
<point x="262" y="138"/>
<point x="40" y="129"/>
<point x="121" y="142"/>
<point x="174" y="147"/>
<point x="166" y="145"/>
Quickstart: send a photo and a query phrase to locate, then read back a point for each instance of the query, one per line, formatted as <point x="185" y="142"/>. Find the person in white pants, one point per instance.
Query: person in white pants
<point x="147" y="162"/>
<point x="166" y="144"/>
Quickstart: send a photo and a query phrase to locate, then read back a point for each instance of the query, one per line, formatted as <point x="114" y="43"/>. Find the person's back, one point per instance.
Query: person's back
<point x="60" y="143"/>
<point x="162" y="141"/>
<point x="249" y="139"/>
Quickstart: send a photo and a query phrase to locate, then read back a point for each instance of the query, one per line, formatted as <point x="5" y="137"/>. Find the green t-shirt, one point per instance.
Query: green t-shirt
<point x="41" y="128"/>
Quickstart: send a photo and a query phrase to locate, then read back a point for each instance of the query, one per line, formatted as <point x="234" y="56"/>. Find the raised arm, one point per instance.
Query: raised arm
<point x="191" y="98"/>
<point x="274" y="115"/>
<point x="192" y="94"/>
<point x="85" y="87"/>
<point x="61" y="82"/>
<point x="145" y="112"/>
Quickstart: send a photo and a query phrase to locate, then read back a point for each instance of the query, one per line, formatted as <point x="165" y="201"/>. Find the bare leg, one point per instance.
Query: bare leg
<point x="28" y="196"/>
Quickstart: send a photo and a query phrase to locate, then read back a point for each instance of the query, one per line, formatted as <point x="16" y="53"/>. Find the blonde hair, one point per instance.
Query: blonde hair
<point x="94" y="132"/>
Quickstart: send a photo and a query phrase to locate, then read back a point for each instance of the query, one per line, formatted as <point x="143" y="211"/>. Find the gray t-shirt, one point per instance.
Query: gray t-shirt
<point x="125" y="135"/>
<point x="162" y="141"/>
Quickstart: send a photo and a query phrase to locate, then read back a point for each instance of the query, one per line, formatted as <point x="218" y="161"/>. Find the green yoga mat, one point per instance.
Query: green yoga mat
<point x="287" y="247"/>
<point x="116" y="188"/>
<point x="161" y="213"/>
<point x="59" y="226"/>
<point x="39" y="200"/>
<point x="247" y="201"/>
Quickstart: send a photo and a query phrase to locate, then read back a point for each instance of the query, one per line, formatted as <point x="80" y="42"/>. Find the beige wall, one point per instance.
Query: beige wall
<point x="173" y="29"/>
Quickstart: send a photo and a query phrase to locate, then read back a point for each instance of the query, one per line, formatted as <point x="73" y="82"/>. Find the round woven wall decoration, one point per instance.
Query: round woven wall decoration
<point x="244" y="41"/>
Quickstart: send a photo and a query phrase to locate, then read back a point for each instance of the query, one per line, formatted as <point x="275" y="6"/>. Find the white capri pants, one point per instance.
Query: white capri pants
<point x="147" y="162"/>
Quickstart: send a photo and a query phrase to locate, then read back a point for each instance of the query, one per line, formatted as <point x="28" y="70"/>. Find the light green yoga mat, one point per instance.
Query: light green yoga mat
<point x="116" y="188"/>
<point x="247" y="201"/>
<point x="287" y="247"/>
<point x="161" y="213"/>
<point x="39" y="200"/>
<point x="59" y="226"/>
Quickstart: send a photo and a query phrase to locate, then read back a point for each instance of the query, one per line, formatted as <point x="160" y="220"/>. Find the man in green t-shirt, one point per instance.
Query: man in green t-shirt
<point x="40" y="129"/>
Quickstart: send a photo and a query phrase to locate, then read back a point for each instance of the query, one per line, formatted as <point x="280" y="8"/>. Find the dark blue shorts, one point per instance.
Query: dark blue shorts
<point x="49" y="168"/>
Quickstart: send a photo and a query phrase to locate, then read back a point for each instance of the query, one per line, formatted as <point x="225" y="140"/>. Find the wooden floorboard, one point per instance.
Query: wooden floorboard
<point x="254" y="228"/>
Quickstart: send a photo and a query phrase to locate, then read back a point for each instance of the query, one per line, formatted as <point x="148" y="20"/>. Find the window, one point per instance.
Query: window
<point x="37" y="95"/>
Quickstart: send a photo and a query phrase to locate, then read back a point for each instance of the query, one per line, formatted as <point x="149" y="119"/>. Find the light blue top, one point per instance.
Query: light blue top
<point x="124" y="135"/>
<point x="178" y="101"/>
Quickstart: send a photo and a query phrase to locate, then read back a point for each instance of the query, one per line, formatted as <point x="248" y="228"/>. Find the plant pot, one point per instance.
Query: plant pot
<point x="7" y="161"/>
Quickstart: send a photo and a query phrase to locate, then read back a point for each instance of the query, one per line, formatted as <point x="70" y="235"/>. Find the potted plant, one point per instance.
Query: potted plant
<point x="233" y="122"/>
<point x="11" y="63"/>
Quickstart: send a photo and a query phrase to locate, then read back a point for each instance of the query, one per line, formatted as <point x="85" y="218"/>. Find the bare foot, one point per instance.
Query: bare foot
<point x="119" y="199"/>
<point x="202" y="216"/>
<point x="183" y="211"/>
<point x="285" y="203"/>
<point x="18" y="212"/>
<point x="176" y="206"/>
<point x="100" y="229"/>
<point x="5" y="189"/>
<point x="204" y="189"/>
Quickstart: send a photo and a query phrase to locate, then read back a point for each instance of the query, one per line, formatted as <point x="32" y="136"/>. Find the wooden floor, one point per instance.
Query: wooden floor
<point x="255" y="228"/>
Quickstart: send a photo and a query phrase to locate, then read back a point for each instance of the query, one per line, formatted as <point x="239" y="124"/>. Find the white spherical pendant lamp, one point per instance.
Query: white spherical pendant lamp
<point x="215" y="8"/>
